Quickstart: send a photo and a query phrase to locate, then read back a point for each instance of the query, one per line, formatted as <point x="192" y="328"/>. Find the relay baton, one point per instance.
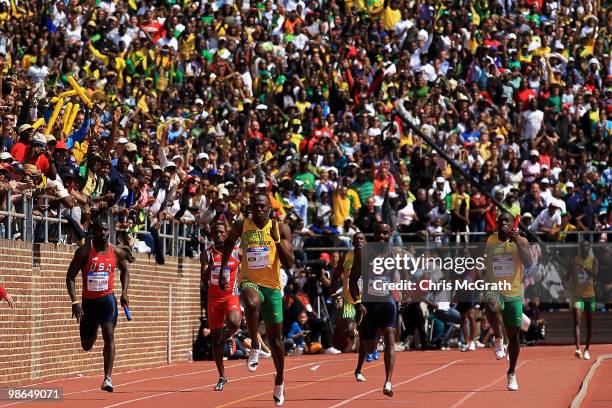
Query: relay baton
<point x="126" y="309"/>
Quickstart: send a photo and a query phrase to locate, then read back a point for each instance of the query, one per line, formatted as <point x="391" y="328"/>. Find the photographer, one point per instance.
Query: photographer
<point x="296" y="302"/>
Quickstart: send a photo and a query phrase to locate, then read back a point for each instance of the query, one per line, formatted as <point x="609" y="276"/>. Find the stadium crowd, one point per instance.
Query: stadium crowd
<point x="195" y="105"/>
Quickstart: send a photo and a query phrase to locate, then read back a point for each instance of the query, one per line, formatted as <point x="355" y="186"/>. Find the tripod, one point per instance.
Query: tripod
<point x="322" y="312"/>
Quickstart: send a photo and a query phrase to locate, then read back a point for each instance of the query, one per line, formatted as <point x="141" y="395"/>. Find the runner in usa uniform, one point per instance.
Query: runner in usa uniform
<point x="223" y="304"/>
<point x="265" y="245"/>
<point x="507" y="254"/>
<point x="97" y="260"/>
<point x="380" y="309"/>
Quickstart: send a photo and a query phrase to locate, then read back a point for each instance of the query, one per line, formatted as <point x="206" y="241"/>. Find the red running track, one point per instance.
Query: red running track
<point x="547" y="376"/>
<point x="599" y="394"/>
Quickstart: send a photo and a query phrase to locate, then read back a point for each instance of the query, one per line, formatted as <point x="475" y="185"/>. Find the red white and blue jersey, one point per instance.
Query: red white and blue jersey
<point x="231" y="272"/>
<point x="99" y="273"/>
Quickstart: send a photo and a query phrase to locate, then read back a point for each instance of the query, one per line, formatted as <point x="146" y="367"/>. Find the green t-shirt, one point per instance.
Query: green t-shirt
<point x="365" y="189"/>
<point x="308" y="179"/>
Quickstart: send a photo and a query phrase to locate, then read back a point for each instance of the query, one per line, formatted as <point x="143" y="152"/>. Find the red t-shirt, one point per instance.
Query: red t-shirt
<point x="523" y="97"/>
<point x="2" y="292"/>
<point x="99" y="273"/>
<point x="42" y="164"/>
<point x="232" y="269"/>
<point x="19" y="151"/>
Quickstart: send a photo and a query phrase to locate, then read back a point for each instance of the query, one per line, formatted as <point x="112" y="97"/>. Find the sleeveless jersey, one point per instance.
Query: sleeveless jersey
<point x="346" y="272"/>
<point x="99" y="273"/>
<point x="504" y="265"/>
<point x="231" y="272"/>
<point x="583" y="282"/>
<point x="260" y="261"/>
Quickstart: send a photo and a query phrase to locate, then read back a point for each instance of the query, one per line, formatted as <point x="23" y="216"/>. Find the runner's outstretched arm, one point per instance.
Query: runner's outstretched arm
<point x="522" y="246"/>
<point x="228" y="247"/>
<point x="77" y="263"/>
<point x="125" y="276"/>
<point x="284" y="247"/>
<point x="355" y="274"/>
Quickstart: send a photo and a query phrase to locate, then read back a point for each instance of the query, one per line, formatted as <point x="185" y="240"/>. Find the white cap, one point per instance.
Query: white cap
<point x="169" y="165"/>
<point x="569" y="184"/>
<point x="199" y="101"/>
<point x="177" y="157"/>
<point x="440" y="180"/>
<point x="40" y="138"/>
<point x="123" y="140"/>
<point x="299" y="183"/>
<point x="5" y="156"/>
<point x="594" y="61"/>
<point x="422" y="35"/>
<point x="545" y="181"/>
<point x="202" y="156"/>
<point x="512" y="36"/>
<point x="534" y="152"/>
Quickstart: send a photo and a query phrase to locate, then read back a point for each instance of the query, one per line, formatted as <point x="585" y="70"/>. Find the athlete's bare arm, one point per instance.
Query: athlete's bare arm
<point x="284" y="247"/>
<point x="205" y="267"/>
<point x="125" y="275"/>
<point x="522" y="246"/>
<point x="230" y="242"/>
<point x="78" y="262"/>
<point x="355" y="274"/>
<point x="595" y="271"/>
<point x="336" y="277"/>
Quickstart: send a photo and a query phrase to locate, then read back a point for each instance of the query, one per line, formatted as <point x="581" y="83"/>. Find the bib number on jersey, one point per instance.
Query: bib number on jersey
<point x="97" y="281"/>
<point x="258" y="257"/>
<point x="214" y="276"/>
<point x="583" y="277"/>
<point x="503" y="266"/>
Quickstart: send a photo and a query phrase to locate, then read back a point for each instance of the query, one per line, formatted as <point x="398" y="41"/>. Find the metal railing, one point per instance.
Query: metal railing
<point x="27" y="216"/>
<point x="35" y="223"/>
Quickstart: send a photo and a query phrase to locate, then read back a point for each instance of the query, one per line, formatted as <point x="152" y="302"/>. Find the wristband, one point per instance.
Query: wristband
<point x="76" y="302"/>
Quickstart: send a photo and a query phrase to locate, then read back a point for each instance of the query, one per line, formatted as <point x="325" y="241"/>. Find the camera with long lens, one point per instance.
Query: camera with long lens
<point x="314" y="269"/>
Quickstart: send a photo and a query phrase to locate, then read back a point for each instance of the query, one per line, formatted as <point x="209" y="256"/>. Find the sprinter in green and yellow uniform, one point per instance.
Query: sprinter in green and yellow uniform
<point x="265" y="245"/>
<point x="583" y="271"/>
<point x="352" y="309"/>
<point x="507" y="254"/>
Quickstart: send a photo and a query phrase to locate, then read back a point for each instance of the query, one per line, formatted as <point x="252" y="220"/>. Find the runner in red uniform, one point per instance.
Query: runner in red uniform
<point x="97" y="260"/>
<point x="222" y="304"/>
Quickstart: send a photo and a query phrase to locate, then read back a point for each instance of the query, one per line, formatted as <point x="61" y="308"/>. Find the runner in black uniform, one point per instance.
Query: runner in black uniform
<point x="380" y="308"/>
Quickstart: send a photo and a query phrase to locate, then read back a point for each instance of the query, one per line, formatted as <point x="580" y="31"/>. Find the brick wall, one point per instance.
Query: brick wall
<point x="39" y="340"/>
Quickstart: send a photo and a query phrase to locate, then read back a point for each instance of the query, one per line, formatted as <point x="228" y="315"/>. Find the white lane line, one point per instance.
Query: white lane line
<point x="396" y="385"/>
<point x="210" y="385"/>
<point x="484" y="387"/>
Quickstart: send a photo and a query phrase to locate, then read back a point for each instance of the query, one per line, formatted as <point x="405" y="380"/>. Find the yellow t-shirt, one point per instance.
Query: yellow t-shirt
<point x="302" y="106"/>
<point x="503" y="265"/>
<point x="583" y="282"/>
<point x="346" y="272"/>
<point x="390" y="18"/>
<point x="456" y="199"/>
<point x="260" y="261"/>
<point x="342" y="209"/>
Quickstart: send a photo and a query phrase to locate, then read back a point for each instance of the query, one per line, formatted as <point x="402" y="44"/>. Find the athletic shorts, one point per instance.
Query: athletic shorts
<point x="348" y="310"/>
<point x="219" y="307"/>
<point x="96" y="313"/>
<point x="271" y="309"/>
<point x="511" y="307"/>
<point x="379" y="315"/>
<point x="585" y="304"/>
